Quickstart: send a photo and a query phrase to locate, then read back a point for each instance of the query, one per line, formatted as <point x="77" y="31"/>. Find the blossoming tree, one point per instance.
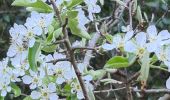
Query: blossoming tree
<point x="43" y="56"/>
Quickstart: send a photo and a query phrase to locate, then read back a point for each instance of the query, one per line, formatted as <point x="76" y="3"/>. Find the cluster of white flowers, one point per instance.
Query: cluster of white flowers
<point x="137" y="43"/>
<point x="15" y="67"/>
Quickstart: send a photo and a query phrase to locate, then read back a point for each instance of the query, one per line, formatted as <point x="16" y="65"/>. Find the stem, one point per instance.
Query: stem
<point x="56" y="11"/>
<point x="73" y="60"/>
<point x="149" y="91"/>
<point x="152" y="91"/>
<point x="57" y="60"/>
<point x="110" y="90"/>
<point x="70" y="52"/>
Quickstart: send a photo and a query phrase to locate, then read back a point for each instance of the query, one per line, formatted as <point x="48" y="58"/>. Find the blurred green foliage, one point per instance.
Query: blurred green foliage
<point x="8" y="16"/>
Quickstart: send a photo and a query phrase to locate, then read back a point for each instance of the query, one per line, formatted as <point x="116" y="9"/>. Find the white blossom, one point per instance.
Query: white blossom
<point x="163" y="54"/>
<point x="118" y="41"/>
<point x="76" y="88"/>
<point x="156" y="39"/>
<point x="39" y="22"/>
<point x="34" y="79"/>
<point x="45" y="93"/>
<point x="92" y="8"/>
<point x="138" y="46"/>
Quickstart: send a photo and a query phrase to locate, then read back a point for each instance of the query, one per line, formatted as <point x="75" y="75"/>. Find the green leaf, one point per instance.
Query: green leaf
<point x="72" y="97"/>
<point x="154" y="59"/>
<point x="117" y="62"/>
<point x="39" y="5"/>
<point x="73" y="24"/>
<point x="74" y="3"/>
<point x="50" y="37"/>
<point x="49" y="48"/>
<point x="16" y="90"/>
<point x="98" y="74"/>
<point x="131" y="58"/>
<point x="28" y="98"/>
<point x="57" y="32"/>
<point x="109" y="38"/>
<point x="2" y="98"/>
<point x="50" y="29"/>
<point x="48" y="79"/>
<point x="145" y="66"/>
<point x="72" y="14"/>
<point x="33" y="54"/>
<point x="67" y="88"/>
<point x="50" y="34"/>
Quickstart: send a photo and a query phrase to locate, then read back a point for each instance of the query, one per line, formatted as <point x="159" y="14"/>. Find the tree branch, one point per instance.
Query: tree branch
<point x="110" y="90"/>
<point x="58" y="60"/>
<point x="56" y="11"/>
<point x="70" y="53"/>
<point x="152" y="91"/>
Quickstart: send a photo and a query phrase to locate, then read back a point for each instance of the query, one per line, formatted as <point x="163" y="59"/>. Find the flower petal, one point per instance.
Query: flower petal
<point x="130" y="47"/>
<point x="52" y="87"/>
<point x="168" y="83"/>
<point x="35" y="95"/>
<point x="152" y="31"/>
<point x="27" y="79"/>
<point x="141" y="39"/>
<point x="129" y="35"/>
<point x="107" y="46"/>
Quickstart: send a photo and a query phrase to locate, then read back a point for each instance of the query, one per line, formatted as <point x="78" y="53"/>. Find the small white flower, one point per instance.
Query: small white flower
<point x="163" y="54"/>
<point x="77" y="44"/>
<point x="92" y="7"/>
<point x="16" y="49"/>
<point x="118" y="41"/>
<point x="139" y="46"/>
<point x="35" y="95"/>
<point x="39" y="22"/>
<point x="34" y="79"/>
<point x="63" y="71"/>
<point x="45" y="93"/>
<point x="156" y="39"/>
<point x="76" y="88"/>
<point x="4" y="87"/>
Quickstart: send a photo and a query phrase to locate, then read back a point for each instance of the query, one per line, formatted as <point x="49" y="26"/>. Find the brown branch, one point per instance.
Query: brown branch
<point x="73" y="60"/>
<point x="130" y="15"/>
<point x="70" y="54"/>
<point x="56" y="11"/>
<point x="58" y="60"/>
<point x="110" y="90"/>
<point x="133" y="77"/>
<point x="83" y="48"/>
<point x="149" y="91"/>
<point x="152" y="91"/>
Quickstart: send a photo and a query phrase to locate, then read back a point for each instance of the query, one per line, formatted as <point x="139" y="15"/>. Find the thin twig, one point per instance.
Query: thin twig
<point x="149" y="91"/>
<point x="130" y="15"/>
<point x="110" y="90"/>
<point x="70" y="53"/>
<point x="56" y="11"/>
<point x="58" y="60"/>
<point x="83" y="48"/>
<point x="73" y="61"/>
<point x="152" y="91"/>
